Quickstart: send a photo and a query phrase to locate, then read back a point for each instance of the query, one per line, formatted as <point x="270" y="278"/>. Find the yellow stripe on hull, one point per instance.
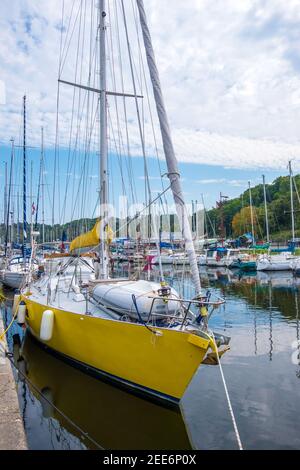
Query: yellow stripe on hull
<point x="163" y="364"/>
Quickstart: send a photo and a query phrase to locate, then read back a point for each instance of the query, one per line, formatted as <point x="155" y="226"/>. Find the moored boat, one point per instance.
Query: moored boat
<point x="244" y="262"/>
<point x="280" y="262"/>
<point x="140" y="334"/>
<point x="134" y="345"/>
<point x="14" y="275"/>
<point x="216" y="257"/>
<point x="295" y="266"/>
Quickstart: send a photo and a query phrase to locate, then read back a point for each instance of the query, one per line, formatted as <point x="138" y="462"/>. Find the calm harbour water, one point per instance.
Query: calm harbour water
<point x="261" y="315"/>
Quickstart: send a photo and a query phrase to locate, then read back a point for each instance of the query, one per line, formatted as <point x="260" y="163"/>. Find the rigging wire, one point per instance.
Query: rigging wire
<point x="147" y="182"/>
<point x="135" y="13"/>
<point x="129" y="156"/>
<point x="56" y="153"/>
<point x="71" y="126"/>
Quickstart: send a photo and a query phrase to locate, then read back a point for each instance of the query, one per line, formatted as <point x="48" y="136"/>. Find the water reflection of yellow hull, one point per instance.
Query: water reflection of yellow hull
<point x="113" y="418"/>
<point x="161" y="366"/>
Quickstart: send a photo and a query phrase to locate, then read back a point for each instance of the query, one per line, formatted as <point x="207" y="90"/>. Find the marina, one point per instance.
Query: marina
<point x="261" y="313"/>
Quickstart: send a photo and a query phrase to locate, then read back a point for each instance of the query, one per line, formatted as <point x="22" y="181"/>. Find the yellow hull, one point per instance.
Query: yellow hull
<point x="108" y="415"/>
<point x="161" y="365"/>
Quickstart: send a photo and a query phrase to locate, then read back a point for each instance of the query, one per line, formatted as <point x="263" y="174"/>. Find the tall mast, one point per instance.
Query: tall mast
<point x="205" y="221"/>
<point x="103" y="138"/>
<point x="251" y="212"/>
<point x="12" y="222"/>
<point x="40" y="194"/>
<point x="292" y="201"/>
<point x="5" y="195"/>
<point x="196" y="220"/>
<point x="171" y="160"/>
<point x="31" y="197"/>
<point x="42" y="185"/>
<point x="39" y="183"/>
<point x="193" y="218"/>
<point x="24" y="182"/>
<point x="18" y="221"/>
<point x="266" y="209"/>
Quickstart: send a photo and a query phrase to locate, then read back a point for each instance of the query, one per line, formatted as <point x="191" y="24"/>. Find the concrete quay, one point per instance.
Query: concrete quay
<point x="12" y="434"/>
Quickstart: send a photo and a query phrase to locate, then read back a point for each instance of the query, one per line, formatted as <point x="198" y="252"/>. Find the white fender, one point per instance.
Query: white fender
<point x="21" y="313"/>
<point x="47" y="323"/>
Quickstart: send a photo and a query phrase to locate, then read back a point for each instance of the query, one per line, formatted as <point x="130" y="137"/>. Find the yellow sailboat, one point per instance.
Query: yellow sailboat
<point x="140" y="334"/>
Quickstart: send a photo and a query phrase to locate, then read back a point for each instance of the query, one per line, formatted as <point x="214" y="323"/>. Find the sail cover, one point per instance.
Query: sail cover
<point x="171" y="160"/>
<point x="92" y="238"/>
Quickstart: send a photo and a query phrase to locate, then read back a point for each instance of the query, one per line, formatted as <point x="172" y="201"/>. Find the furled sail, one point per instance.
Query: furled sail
<point x="171" y="160"/>
<point x="86" y="241"/>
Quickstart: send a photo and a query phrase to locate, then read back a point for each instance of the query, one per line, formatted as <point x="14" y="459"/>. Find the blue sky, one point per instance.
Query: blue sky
<point x="230" y="75"/>
<point x="208" y="180"/>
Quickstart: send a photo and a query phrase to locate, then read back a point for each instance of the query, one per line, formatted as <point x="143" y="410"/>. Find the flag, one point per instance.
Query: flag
<point x="33" y="208"/>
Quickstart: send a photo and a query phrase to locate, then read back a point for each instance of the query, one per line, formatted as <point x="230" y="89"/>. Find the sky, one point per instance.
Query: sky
<point x="230" y="73"/>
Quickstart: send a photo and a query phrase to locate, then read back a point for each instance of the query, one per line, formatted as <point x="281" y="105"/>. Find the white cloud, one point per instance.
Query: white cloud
<point x="212" y="181"/>
<point x="229" y="70"/>
<point x="235" y="183"/>
<point x="2" y="92"/>
<point x="234" y="152"/>
<point x="154" y="178"/>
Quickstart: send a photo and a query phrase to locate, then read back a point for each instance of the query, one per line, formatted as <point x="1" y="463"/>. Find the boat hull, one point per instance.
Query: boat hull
<point x="170" y="260"/>
<point x="12" y="280"/>
<point x="273" y="266"/>
<point x="158" y="365"/>
<point x="213" y="263"/>
<point x="248" y="266"/>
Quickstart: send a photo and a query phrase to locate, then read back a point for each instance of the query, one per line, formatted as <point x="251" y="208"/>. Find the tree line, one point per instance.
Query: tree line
<point x="236" y="212"/>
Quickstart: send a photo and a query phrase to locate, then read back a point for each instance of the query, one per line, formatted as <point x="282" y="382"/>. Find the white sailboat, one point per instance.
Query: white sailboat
<point x="17" y="268"/>
<point x="284" y="261"/>
<point x="280" y="262"/>
<point x="13" y="276"/>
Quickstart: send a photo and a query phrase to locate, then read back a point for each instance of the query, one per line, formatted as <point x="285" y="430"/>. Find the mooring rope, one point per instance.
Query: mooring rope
<point x="235" y="427"/>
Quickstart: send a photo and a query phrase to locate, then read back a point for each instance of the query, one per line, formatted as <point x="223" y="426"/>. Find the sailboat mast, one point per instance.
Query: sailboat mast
<point x="171" y="160"/>
<point x="18" y="215"/>
<point x="103" y="138"/>
<point x="31" y="197"/>
<point x="266" y="209"/>
<point x="251" y="212"/>
<point x="5" y="194"/>
<point x="9" y="195"/>
<point x="205" y="217"/>
<point x="292" y="201"/>
<point x="39" y="183"/>
<point x="42" y="189"/>
<point x="24" y="182"/>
